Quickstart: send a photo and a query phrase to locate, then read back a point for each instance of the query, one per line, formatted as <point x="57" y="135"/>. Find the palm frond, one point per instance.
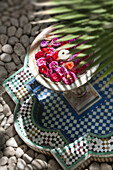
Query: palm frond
<point x="92" y="22"/>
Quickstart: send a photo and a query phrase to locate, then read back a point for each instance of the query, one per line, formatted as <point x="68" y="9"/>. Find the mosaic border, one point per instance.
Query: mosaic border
<point x="85" y="159"/>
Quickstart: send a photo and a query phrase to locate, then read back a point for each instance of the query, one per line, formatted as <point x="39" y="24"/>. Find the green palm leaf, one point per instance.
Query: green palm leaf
<point x="92" y="22"/>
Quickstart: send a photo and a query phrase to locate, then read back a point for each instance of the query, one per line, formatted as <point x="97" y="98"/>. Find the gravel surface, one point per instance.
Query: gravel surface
<point x="16" y="35"/>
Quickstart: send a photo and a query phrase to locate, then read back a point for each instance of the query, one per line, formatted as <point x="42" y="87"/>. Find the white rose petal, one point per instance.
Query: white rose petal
<point x="63" y="54"/>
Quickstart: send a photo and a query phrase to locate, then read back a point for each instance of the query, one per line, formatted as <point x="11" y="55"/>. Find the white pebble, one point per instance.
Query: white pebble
<point x="19" y="49"/>
<point x="11" y="142"/>
<point x="39" y="164"/>
<point x="18" y="32"/>
<point x="6" y="110"/>
<point x="14" y="22"/>
<point x="10" y="120"/>
<point x="3" y="167"/>
<point x="24" y="40"/>
<point x="52" y="164"/>
<point x="6" y="126"/>
<point x="94" y="166"/>
<point x="12" y="159"/>
<point x="10" y="66"/>
<point x="7" y="48"/>
<point x="12" y="166"/>
<point x="3" y="160"/>
<point x="28" y="167"/>
<point x="11" y="31"/>
<point x="21" y="164"/>
<point x="1" y="108"/>
<point x="11" y="131"/>
<point x="18" y="140"/>
<point x="23" y="20"/>
<point x="5" y="57"/>
<point x="27" y="158"/>
<point x="1" y="117"/>
<point x="13" y="40"/>
<point x="3" y="29"/>
<point x="4" y="121"/>
<point x="3" y="39"/>
<point x="19" y="152"/>
<point x="3" y="72"/>
<point x="9" y="151"/>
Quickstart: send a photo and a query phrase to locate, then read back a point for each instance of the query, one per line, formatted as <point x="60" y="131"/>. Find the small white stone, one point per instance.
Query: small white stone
<point x="9" y="151"/>
<point x="35" y="30"/>
<point x="27" y="29"/>
<point x="12" y="166"/>
<point x="11" y="31"/>
<point x="3" y="39"/>
<point x="18" y="32"/>
<point x="19" y="66"/>
<point x="28" y="167"/>
<point x="6" y="126"/>
<point x="16" y="59"/>
<point x="19" y="152"/>
<point x="2" y="63"/>
<point x="21" y="164"/>
<point x="4" y="121"/>
<point x="24" y="40"/>
<point x="105" y="166"/>
<point x="12" y="159"/>
<point x="22" y="58"/>
<point x="3" y="72"/>
<point x="42" y="157"/>
<point x="3" y="167"/>
<point x="27" y="158"/>
<point x="15" y="13"/>
<point x="18" y="140"/>
<point x="10" y="120"/>
<point x="31" y="39"/>
<point x="94" y="166"/>
<point x="23" y="20"/>
<point x="12" y="142"/>
<point x="11" y="131"/>
<point x="3" y="160"/>
<point x="5" y="18"/>
<point x="6" y="110"/>
<point x="19" y="49"/>
<point x="14" y="22"/>
<point x="52" y="164"/>
<point x="1" y="117"/>
<point x="5" y="57"/>
<point x="7" y="48"/>
<point x="3" y="29"/>
<point x="1" y="108"/>
<point x="10" y="66"/>
<point x="7" y="23"/>
<point x="39" y="164"/>
<point x="13" y="40"/>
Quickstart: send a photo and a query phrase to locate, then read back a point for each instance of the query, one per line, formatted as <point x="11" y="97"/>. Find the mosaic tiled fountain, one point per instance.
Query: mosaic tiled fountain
<point x="55" y="118"/>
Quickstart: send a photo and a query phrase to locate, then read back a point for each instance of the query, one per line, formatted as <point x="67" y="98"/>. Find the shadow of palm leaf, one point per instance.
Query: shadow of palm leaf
<point x="91" y="19"/>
